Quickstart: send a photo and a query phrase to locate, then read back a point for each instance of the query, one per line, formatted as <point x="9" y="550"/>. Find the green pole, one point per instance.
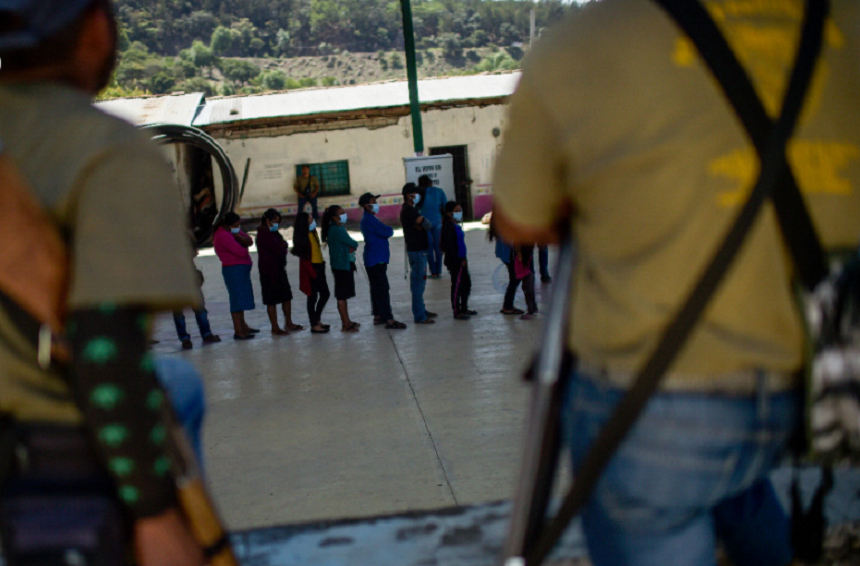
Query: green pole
<point x="412" y="75"/>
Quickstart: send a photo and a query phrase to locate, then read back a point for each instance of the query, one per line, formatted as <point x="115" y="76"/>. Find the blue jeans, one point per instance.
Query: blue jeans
<point x="693" y="469"/>
<point x="202" y="317"/>
<point x="304" y="200"/>
<point x="417" y="282"/>
<point x="434" y="250"/>
<point x="543" y="261"/>
<point x="185" y="389"/>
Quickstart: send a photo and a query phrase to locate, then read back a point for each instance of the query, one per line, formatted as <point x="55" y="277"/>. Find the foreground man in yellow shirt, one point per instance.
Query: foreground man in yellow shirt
<point x="619" y="126"/>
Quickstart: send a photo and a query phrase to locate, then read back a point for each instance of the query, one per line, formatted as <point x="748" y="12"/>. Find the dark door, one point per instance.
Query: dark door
<point x="462" y="182"/>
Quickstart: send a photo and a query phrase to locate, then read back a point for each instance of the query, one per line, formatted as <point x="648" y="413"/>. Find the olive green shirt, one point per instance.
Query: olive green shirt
<point x="113" y="198"/>
<point x="306" y="186"/>
<point x="617" y="115"/>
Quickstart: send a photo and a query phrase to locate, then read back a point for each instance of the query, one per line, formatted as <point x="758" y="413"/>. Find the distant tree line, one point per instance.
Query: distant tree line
<point x="173" y="45"/>
<point x="274" y="28"/>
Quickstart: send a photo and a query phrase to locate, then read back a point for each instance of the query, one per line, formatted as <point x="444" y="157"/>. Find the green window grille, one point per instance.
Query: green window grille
<point x="333" y="177"/>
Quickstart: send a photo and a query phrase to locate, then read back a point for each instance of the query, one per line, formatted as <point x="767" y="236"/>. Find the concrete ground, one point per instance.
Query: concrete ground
<point x="307" y="427"/>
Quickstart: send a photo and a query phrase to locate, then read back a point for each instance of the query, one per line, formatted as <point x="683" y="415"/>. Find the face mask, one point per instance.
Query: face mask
<point x="374" y="208"/>
<point x="458" y="216"/>
<point x="313" y="225"/>
<point x="343" y="218"/>
<point x="274" y="227"/>
<point x="234" y="230"/>
<point x="417" y="199"/>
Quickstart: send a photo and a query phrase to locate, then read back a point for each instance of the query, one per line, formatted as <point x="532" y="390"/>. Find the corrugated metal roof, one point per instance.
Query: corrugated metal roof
<point x="173" y="109"/>
<point x="345" y="99"/>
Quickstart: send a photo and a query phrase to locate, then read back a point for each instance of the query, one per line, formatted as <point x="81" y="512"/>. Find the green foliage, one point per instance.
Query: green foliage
<point x="396" y="60"/>
<point x="307" y="82"/>
<point x="330" y="81"/>
<point x="273" y="80"/>
<point x="293" y="83"/>
<point x="197" y="84"/>
<point x="152" y="34"/>
<point x="239" y="71"/>
<point x="500" y="61"/>
<point x="221" y="40"/>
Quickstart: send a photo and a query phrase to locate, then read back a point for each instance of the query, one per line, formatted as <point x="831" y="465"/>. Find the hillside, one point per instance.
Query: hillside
<point x="230" y="46"/>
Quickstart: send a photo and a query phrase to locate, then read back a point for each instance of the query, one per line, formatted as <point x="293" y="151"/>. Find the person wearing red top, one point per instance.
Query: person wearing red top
<point x="231" y="245"/>
<point x="272" y="251"/>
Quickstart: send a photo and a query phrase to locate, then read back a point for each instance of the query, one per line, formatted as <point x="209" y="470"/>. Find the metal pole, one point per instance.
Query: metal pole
<point x="532" y="29"/>
<point x="412" y="75"/>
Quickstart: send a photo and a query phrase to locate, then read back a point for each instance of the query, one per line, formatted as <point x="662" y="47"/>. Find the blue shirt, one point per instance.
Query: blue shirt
<point x="433" y="201"/>
<point x="376" y="236"/>
<point x="503" y="251"/>
<point x="461" y="241"/>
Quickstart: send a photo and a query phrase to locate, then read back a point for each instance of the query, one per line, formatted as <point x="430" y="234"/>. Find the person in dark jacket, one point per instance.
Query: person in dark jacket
<point x="453" y="243"/>
<point x="272" y="261"/>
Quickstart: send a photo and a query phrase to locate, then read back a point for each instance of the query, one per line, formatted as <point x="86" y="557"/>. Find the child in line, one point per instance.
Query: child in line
<point x="312" y="281"/>
<point x="453" y="243"/>
<point x="341" y="249"/>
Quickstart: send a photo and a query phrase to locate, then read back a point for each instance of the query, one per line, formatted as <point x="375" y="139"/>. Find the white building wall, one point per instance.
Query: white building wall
<point x="375" y="156"/>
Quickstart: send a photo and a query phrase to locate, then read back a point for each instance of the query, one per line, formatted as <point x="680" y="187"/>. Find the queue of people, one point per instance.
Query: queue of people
<point x="423" y="232"/>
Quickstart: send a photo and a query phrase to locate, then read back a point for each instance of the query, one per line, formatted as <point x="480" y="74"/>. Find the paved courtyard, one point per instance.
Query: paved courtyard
<point x="306" y="426"/>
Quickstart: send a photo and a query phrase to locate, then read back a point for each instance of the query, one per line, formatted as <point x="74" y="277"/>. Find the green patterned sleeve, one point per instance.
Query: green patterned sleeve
<point x="114" y="384"/>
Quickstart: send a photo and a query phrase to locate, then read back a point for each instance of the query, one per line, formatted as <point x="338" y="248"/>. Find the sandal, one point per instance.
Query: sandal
<point x="323" y="331"/>
<point x="514" y="311"/>
<point x="295" y="327"/>
<point x="280" y="332"/>
<point x="378" y="321"/>
<point x="395" y="325"/>
<point x="349" y="329"/>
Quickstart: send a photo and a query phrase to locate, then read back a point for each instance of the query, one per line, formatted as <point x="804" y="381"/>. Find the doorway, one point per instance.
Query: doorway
<point x="462" y="182"/>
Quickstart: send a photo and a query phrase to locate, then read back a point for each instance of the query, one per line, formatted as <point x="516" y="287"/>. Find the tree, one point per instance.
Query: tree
<point x="202" y="56"/>
<point x="161" y="83"/>
<point x="330" y="81"/>
<point x="239" y="71"/>
<point x="221" y="40"/>
<point x="197" y="84"/>
<point x="274" y="80"/>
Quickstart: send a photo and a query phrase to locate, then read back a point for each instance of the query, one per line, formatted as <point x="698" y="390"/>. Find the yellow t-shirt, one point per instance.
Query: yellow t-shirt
<point x="617" y="115"/>
<point x="316" y="251"/>
<point x="113" y="198"/>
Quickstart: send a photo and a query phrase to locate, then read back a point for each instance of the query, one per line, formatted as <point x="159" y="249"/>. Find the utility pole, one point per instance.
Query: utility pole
<point x="532" y="29"/>
<point x="412" y="75"/>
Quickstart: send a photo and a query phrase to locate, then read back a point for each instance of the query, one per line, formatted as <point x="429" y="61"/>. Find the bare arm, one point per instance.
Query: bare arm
<point x="514" y="233"/>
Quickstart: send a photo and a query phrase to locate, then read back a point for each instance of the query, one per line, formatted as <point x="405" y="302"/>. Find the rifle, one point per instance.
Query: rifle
<point x="33" y="287"/>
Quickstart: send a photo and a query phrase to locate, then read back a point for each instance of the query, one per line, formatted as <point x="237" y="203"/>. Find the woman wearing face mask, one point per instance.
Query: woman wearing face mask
<point x="312" y="281"/>
<point x="272" y="263"/>
<point x="453" y="243"/>
<point x="341" y="249"/>
<point x="231" y="246"/>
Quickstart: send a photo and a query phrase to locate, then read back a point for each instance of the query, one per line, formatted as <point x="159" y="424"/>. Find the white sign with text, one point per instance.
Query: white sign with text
<point x="440" y="168"/>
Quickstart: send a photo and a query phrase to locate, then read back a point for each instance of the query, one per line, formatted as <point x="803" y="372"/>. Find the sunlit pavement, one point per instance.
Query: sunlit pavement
<point x="319" y="426"/>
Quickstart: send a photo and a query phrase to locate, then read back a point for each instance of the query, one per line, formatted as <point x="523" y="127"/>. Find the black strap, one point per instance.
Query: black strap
<point x="775" y="172"/>
<point x="797" y="227"/>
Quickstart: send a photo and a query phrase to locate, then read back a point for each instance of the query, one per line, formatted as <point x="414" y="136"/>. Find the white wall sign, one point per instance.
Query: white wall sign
<point x="440" y="168"/>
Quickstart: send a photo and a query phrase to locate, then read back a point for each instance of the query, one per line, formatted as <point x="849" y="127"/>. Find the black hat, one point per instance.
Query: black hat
<point x="365" y="198"/>
<point x="409" y="189"/>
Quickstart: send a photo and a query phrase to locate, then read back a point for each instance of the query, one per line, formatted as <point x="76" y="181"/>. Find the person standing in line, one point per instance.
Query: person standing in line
<point x="231" y="246"/>
<point x="433" y="201"/>
<point x="543" y="260"/>
<point x="307" y="188"/>
<point x="272" y="251"/>
<point x="201" y="315"/>
<point x="453" y="242"/>
<point x="341" y="250"/>
<point x="523" y="265"/>
<point x="505" y="253"/>
<point x="415" y="233"/>
<point x="377" y="254"/>
<point x="312" y="281"/>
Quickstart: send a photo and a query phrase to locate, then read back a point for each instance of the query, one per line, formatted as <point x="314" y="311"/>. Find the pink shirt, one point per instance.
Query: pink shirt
<point x="229" y="251"/>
